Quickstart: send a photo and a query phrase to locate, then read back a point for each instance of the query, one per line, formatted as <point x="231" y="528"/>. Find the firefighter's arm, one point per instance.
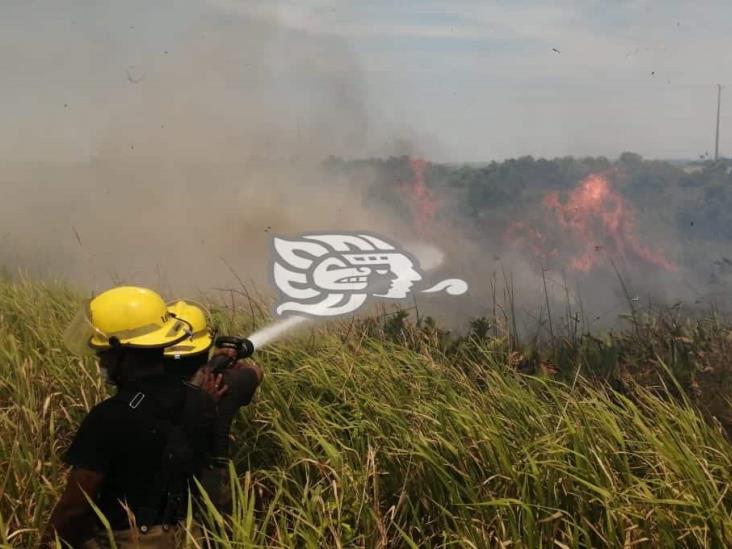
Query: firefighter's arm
<point x="246" y="363"/>
<point x="73" y="517"/>
<point x="249" y="363"/>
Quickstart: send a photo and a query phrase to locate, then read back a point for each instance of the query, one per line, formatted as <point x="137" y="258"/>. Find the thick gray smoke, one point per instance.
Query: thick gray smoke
<point x="198" y="155"/>
<point x="203" y="141"/>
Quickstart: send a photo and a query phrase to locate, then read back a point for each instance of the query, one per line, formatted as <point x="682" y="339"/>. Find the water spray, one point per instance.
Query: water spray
<point x="244" y="347"/>
<point x="360" y="255"/>
<point x="274" y="331"/>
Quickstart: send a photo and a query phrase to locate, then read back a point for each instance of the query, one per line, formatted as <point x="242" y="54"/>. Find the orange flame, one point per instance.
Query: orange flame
<point x="598" y="216"/>
<point x="422" y="203"/>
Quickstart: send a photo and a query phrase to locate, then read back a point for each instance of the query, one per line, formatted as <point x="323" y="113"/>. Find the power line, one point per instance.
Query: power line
<point x="716" y="137"/>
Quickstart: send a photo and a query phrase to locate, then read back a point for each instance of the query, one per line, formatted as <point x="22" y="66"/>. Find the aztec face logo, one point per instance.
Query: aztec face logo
<point x="334" y="274"/>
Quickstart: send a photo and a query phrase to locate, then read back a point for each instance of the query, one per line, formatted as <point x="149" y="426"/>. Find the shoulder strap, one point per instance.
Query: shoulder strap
<point x="167" y="490"/>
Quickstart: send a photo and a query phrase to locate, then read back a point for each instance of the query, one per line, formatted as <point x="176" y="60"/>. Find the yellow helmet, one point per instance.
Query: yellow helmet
<point x="197" y="317"/>
<point x="128" y="316"/>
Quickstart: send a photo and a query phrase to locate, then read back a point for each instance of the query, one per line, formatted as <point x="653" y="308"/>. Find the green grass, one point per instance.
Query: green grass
<point x="369" y="438"/>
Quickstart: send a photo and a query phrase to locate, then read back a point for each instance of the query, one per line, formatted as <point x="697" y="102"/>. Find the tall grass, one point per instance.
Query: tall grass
<point x="356" y="440"/>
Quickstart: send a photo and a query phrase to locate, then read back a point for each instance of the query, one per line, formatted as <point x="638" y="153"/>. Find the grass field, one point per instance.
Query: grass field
<point x="382" y="434"/>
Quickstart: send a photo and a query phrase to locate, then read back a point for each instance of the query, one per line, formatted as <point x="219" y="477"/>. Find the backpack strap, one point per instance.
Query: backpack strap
<point x="167" y="492"/>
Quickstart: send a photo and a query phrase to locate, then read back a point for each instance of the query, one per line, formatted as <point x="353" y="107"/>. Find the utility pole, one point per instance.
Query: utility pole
<point x="716" y="137"/>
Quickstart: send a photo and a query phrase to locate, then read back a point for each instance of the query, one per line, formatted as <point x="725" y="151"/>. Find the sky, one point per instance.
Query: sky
<point x="455" y="81"/>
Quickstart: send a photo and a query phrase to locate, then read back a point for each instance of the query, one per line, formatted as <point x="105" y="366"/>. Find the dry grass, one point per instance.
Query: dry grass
<point x="372" y="438"/>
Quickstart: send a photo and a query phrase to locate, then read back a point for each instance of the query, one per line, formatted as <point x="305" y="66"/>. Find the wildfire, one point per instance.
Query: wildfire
<point x="528" y="238"/>
<point x="598" y="216"/>
<point x="424" y="206"/>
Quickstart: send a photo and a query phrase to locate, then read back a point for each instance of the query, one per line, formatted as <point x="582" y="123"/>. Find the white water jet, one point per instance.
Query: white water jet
<point x="274" y="331"/>
<point x="429" y="257"/>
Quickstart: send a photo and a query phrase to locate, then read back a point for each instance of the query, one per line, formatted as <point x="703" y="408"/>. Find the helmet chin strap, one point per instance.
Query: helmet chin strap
<point x="125" y="366"/>
<point x="113" y="373"/>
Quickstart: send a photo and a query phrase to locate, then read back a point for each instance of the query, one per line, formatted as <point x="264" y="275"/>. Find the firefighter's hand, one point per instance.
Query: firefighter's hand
<point x="213" y="384"/>
<point x="225" y="351"/>
<point x="245" y="363"/>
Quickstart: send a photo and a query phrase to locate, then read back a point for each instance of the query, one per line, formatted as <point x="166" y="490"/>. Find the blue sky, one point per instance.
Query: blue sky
<point x="458" y="80"/>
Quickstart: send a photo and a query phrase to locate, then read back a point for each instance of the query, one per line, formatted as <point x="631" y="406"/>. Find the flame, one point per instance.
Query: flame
<point x="598" y="216"/>
<point x="423" y="204"/>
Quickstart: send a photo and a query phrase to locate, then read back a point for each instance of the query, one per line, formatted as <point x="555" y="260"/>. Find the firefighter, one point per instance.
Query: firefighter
<point x="134" y="455"/>
<point x="232" y="389"/>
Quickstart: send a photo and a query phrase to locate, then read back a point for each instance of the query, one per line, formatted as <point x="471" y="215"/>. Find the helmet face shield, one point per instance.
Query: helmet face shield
<point x="79" y="333"/>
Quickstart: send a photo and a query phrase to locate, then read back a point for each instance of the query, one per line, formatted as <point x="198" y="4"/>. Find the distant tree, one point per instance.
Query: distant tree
<point x="630" y="159"/>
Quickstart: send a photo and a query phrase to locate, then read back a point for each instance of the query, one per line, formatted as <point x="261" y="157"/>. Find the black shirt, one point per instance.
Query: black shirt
<point x="125" y="441"/>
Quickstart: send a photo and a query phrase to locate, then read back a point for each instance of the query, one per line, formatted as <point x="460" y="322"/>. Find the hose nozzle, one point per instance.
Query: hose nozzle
<point x="243" y="347"/>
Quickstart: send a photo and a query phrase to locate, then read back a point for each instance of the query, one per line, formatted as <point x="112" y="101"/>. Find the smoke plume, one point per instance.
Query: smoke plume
<point x="198" y="155"/>
<point x="202" y="145"/>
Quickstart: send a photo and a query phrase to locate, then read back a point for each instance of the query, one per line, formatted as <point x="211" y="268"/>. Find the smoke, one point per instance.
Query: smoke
<point x="203" y="142"/>
<point x="423" y="205"/>
<point x="199" y="153"/>
<point x="586" y="240"/>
